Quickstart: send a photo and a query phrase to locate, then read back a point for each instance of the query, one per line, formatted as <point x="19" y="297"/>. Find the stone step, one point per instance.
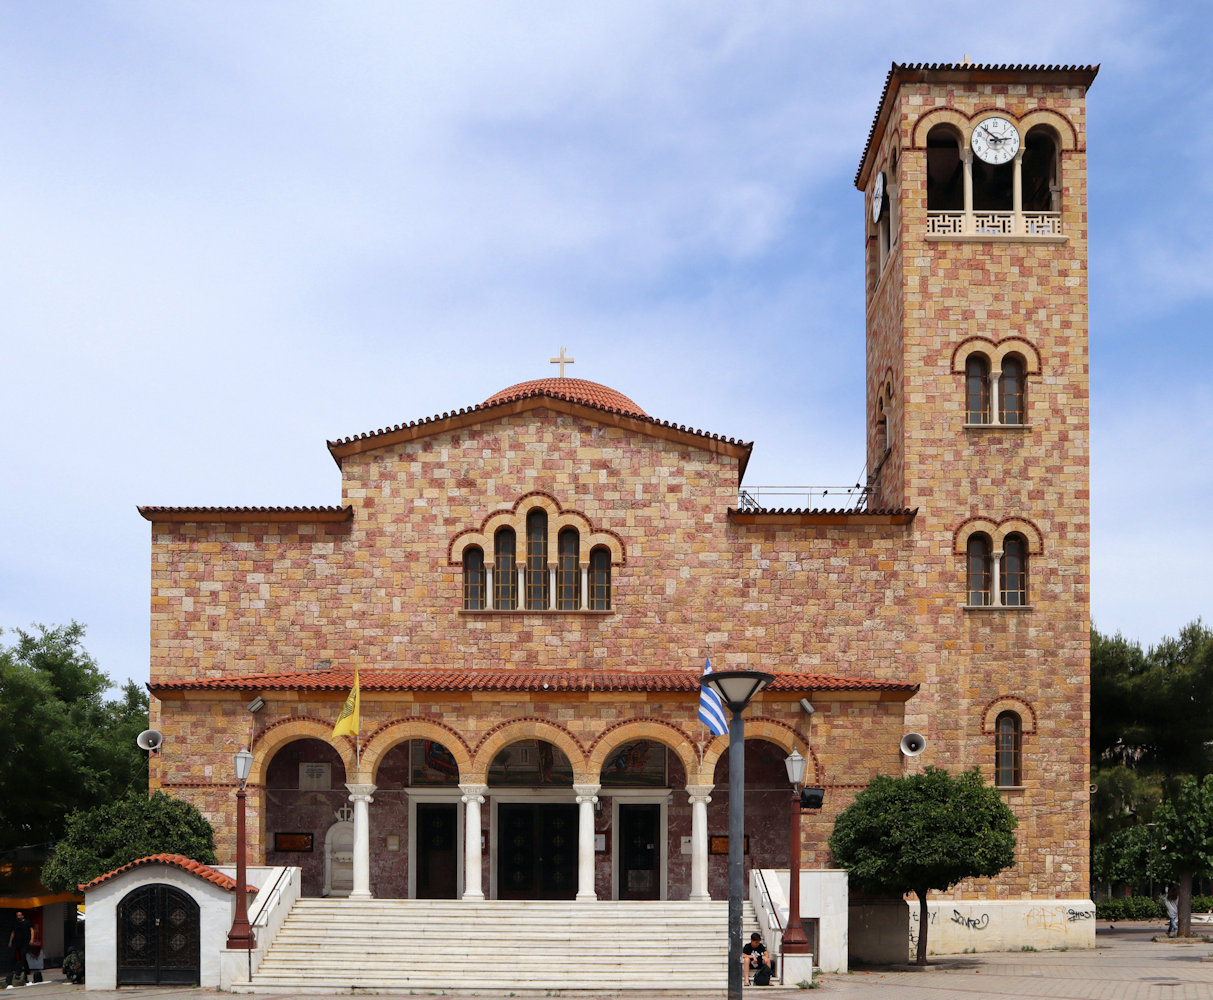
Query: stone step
<point x="525" y="948"/>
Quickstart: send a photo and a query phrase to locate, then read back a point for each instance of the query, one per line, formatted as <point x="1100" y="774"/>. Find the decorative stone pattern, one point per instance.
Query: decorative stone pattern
<point x="932" y="300"/>
<point x="872" y="600"/>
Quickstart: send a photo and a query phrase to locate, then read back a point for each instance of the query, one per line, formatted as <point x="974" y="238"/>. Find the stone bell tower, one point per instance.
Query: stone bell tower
<point x="975" y="202"/>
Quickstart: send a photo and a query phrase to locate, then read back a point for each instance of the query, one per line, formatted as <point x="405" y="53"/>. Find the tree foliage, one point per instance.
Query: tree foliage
<point x="106" y="837"/>
<point x="1185" y="832"/>
<point x="62" y="744"/>
<point x="1152" y="711"/>
<point x="921" y="832"/>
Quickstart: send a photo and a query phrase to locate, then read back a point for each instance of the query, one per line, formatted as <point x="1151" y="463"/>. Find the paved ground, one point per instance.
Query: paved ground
<point x="1127" y="964"/>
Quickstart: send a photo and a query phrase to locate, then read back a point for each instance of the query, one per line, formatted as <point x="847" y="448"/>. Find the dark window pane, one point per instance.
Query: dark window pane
<point x="473" y="579"/>
<point x="505" y="574"/>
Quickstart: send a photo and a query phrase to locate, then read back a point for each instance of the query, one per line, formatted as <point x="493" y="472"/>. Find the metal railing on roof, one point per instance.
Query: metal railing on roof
<point x="803" y="497"/>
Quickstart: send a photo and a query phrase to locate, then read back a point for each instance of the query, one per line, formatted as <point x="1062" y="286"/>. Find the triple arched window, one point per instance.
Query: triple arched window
<point x="995" y="397"/>
<point x="1019" y="196"/>
<point x="996" y="579"/>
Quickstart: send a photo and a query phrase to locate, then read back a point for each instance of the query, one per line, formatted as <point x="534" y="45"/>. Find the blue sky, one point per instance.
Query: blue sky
<point x="233" y="231"/>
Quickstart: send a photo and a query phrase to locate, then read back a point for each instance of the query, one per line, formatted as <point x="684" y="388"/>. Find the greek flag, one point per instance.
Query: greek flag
<point x="711" y="709"/>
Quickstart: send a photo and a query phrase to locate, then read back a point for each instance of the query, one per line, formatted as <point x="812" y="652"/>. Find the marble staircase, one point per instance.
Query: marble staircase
<point x="536" y="947"/>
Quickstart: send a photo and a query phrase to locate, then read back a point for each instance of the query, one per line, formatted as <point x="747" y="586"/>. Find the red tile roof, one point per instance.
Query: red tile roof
<point x="576" y="389"/>
<point x="807" y="515"/>
<point x="964" y="73"/>
<point x="204" y="872"/>
<point x="376" y="679"/>
<point x="619" y="408"/>
<point x="278" y="515"/>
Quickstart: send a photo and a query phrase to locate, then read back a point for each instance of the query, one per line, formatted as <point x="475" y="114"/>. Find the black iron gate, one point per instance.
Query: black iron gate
<point x="158" y="935"/>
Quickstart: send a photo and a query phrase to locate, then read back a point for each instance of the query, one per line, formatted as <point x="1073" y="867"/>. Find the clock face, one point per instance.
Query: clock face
<point x="878" y="196"/>
<point x="995" y="140"/>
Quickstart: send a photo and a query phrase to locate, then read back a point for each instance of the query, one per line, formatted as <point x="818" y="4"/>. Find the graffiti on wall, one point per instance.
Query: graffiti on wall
<point x="979" y="923"/>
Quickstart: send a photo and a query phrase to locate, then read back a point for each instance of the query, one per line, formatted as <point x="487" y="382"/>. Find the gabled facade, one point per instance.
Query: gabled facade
<point x="528" y="588"/>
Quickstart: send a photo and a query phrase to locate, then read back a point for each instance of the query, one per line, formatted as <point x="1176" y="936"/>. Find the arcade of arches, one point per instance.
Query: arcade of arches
<point x="638" y="830"/>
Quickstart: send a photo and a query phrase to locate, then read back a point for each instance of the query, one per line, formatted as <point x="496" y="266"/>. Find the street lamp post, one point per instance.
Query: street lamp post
<point x="736" y="688"/>
<point x="241" y="935"/>
<point x="795" y="941"/>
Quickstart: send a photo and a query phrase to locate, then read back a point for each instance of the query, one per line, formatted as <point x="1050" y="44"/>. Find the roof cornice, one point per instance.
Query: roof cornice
<point x="548" y="681"/>
<point x="537" y="399"/>
<point x="962" y="73"/>
<point x="247" y="515"/>
<point x="846" y="518"/>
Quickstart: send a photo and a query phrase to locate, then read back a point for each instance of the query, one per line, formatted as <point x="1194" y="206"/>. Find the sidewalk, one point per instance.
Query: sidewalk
<point x="1126" y="964"/>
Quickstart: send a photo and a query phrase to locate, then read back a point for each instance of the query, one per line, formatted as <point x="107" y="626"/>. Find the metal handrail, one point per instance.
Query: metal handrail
<point x="272" y="898"/>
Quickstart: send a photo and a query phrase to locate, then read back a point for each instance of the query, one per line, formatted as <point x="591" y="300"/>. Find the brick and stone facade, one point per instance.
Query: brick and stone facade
<point x="864" y="613"/>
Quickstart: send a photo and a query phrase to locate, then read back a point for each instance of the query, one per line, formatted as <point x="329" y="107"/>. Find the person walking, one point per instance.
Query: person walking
<point x="1171" y="902"/>
<point x="18" y="944"/>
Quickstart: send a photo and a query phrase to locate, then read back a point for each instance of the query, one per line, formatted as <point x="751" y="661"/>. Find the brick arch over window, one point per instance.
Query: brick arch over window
<point x="647" y="729"/>
<point x="940" y="116"/>
<point x="392" y="734"/>
<point x="1008" y="703"/>
<point x="996" y="352"/>
<point x="1060" y="124"/>
<point x="558" y="519"/>
<point x="771" y="730"/>
<point x="998" y="531"/>
<point x="273" y="738"/>
<point x="501" y="736"/>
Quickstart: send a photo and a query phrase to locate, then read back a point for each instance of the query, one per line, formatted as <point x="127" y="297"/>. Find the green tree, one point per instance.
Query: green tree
<point x="62" y="745"/>
<point x="1185" y="833"/>
<point x="1153" y="711"/>
<point x="921" y="832"/>
<point x="101" y="839"/>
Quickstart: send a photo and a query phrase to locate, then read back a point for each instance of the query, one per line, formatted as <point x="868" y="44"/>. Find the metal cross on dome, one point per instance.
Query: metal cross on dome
<point x="562" y="361"/>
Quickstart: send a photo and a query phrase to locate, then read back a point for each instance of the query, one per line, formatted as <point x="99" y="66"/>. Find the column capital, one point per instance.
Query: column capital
<point x="473" y="793"/>
<point x="700" y="793"/>
<point x="587" y="792"/>
<point x="361" y="793"/>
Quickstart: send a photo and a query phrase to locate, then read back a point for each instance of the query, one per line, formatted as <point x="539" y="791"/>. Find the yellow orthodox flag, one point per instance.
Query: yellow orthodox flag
<point x="348" y="720"/>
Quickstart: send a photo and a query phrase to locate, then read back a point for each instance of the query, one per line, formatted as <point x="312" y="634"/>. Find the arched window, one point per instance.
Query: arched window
<point x="945" y="171"/>
<point x="1013" y="587"/>
<point x="536" y="560"/>
<point x="600" y="580"/>
<point x="993" y="186"/>
<point x="1010" y="391"/>
<point x="1008" y="750"/>
<point x="568" y="570"/>
<point x="473" y="579"/>
<point x="1040" y="187"/>
<point x="505" y="574"/>
<point x="979" y="561"/>
<point x="977" y="390"/>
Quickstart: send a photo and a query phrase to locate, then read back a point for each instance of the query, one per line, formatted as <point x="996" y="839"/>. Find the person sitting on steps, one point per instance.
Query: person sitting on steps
<point x="754" y="956"/>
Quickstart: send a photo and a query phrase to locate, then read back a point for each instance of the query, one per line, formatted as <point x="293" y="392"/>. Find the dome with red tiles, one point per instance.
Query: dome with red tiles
<point x="576" y="389"/>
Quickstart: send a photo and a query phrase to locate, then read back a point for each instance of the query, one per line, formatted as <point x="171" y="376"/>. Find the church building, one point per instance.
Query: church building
<point x="527" y="587"/>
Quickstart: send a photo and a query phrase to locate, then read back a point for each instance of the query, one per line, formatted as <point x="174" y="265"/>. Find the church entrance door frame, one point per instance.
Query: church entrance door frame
<point x="429" y="796"/>
<point x="651" y="797"/>
<point x="522" y="796"/>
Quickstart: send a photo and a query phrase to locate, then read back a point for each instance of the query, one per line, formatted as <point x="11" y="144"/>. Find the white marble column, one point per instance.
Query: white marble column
<point x="967" y="156"/>
<point x="996" y="579"/>
<point x="700" y="797"/>
<point x="585" y="587"/>
<point x="587" y="798"/>
<point x="995" y="405"/>
<point x="473" y="799"/>
<point x="360" y="795"/>
<point x="551" y="588"/>
<point x="489" y="575"/>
